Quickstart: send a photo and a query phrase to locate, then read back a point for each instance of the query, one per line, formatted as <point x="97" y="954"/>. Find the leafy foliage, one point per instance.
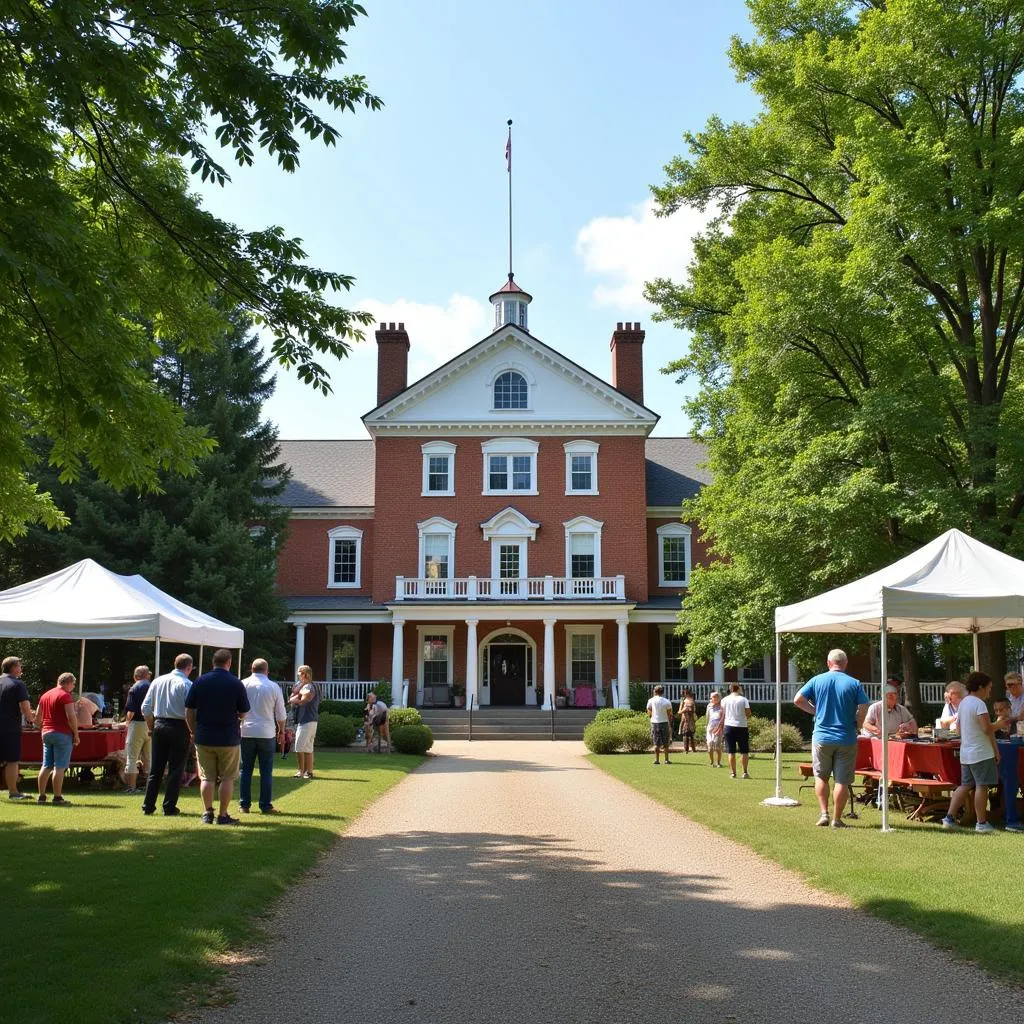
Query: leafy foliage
<point x="606" y="715"/>
<point x="104" y="111"/>
<point x="639" y="695"/>
<point x="855" y="305"/>
<point x="348" y="708"/>
<point x="634" y="734"/>
<point x="601" y="737"/>
<point x="335" y="731"/>
<point x="412" y="739"/>
<point x="399" y="717"/>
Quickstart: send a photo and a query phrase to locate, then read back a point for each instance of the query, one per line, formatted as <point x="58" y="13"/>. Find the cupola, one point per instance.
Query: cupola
<point x="510" y="302"/>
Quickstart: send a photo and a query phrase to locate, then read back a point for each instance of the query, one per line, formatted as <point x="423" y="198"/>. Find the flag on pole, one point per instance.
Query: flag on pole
<point x="508" y="153"/>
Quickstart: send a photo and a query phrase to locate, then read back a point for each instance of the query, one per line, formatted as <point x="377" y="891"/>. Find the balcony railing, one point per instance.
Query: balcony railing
<point x="531" y="588"/>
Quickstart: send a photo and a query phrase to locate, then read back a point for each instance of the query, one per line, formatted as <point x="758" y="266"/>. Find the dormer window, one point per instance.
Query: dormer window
<point x="511" y="391"/>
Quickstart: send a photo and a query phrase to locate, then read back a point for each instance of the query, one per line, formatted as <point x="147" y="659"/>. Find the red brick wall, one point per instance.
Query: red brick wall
<point x="620" y="506"/>
<point x="303" y="559"/>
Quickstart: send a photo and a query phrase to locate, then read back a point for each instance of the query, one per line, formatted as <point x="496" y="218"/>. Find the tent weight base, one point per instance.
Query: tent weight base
<point x="780" y="801"/>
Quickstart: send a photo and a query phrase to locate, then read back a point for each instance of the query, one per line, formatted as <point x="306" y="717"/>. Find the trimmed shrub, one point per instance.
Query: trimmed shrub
<point x="763" y="738"/>
<point x="383" y="691"/>
<point x="399" y="717"/>
<point x="634" y="734"/>
<point x="606" y="715"/>
<point x="335" y="731"/>
<point x="412" y="739"/>
<point x="601" y="737"/>
<point x="348" y="708"/>
<point x="791" y="715"/>
<point x="639" y="695"/>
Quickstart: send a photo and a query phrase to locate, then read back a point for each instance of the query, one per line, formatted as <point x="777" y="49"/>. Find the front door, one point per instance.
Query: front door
<point x="507" y="674"/>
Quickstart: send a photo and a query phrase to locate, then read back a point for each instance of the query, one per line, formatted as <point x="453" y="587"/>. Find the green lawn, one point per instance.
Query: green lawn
<point x="112" y="916"/>
<point x="959" y="890"/>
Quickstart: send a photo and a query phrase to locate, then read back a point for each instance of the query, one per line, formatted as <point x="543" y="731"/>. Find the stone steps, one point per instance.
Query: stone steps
<point x="508" y="723"/>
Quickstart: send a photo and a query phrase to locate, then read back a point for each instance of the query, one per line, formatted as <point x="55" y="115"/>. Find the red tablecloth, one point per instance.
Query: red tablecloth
<point x="94" y="745"/>
<point x="912" y="760"/>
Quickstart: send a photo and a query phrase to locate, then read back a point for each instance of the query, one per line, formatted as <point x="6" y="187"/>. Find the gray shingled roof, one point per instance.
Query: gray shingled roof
<point x="674" y="469"/>
<point x="331" y="474"/>
<point x="328" y="474"/>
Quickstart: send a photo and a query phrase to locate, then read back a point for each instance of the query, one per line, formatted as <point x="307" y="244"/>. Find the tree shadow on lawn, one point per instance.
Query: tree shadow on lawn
<point x="485" y="927"/>
<point x="120" y="921"/>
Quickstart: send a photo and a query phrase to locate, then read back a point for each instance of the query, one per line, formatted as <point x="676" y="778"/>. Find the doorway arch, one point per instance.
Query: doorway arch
<point x="500" y="685"/>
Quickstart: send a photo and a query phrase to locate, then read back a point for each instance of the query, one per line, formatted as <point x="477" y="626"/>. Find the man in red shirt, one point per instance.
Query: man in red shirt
<point x="56" y="715"/>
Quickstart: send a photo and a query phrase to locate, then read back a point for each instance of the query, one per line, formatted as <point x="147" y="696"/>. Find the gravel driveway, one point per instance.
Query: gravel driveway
<point x="513" y="882"/>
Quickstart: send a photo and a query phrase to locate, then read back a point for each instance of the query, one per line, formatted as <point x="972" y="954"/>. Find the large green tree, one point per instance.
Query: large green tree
<point x="856" y="305"/>
<point x="210" y="539"/>
<point x="105" y="110"/>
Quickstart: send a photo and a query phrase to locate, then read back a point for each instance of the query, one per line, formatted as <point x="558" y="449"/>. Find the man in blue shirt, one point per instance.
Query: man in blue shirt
<point x="838" y="703"/>
<point x="215" y="707"/>
<point x="163" y="707"/>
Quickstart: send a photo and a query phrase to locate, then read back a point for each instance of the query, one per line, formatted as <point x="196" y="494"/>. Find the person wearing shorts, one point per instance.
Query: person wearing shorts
<point x="659" y="710"/>
<point x="57" y="718"/>
<point x="214" y="709"/>
<point x="15" y="709"/>
<point x="737" y="729"/>
<point x="979" y="753"/>
<point x="839" y="704"/>
<point x="306" y="702"/>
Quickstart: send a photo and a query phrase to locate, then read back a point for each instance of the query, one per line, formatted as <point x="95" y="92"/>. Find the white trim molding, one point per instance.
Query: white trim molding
<point x="579" y="448"/>
<point x="438" y="449"/>
<point x="675" y="530"/>
<point x="509" y="448"/>
<point x="344" y="533"/>
<point x="436" y="526"/>
<point x="583" y="526"/>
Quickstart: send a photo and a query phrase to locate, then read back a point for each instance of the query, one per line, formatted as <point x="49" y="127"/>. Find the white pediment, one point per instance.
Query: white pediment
<point x="510" y="524"/>
<point x="459" y="397"/>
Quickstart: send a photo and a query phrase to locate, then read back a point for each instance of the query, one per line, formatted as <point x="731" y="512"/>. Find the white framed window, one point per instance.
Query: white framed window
<point x="435" y="655"/>
<point x="437" y="553"/>
<point x="674" y="555"/>
<point x="581" y="467"/>
<point x="755" y="672"/>
<point x="342" y="653"/>
<point x="508" y="565"/>
<point x="583" y="554"/>
<point x="438" y="469"/>
<point x="510" y="390"/>
<point x="510" y="466"/>
<point x="673" y="670"/>
<point x="583" y="656"/>
<point x="345" y="557"/>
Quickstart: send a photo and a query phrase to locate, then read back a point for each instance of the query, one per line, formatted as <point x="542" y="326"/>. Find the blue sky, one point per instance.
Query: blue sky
<point x="413" y="199"/>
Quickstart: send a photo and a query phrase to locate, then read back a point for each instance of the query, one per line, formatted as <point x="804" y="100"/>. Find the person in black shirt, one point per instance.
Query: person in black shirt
<point x="14" y="706"/>
<point x="137" y="742"/>
<point x="214" y="709"/>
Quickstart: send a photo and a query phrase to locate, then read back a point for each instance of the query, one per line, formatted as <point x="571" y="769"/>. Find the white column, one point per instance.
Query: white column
<point x="719" y="667"/>
<point x="300" y="646"/>
<point x="471" y="681"/>
<point x="623" y="666"/>
<point x="549" y="664"/>
<point x="397" y="657"/>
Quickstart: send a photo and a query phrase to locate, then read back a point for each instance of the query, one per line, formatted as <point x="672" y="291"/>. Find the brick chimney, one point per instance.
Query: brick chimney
<point x="628" y="360"/>
<point x="392" y="361"/>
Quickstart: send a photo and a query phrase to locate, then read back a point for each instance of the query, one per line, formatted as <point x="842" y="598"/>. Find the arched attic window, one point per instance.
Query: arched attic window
<point x="511" y="391"/>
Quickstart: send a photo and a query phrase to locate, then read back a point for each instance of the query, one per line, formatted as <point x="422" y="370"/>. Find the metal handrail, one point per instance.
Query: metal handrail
<point x="472" y="700"/>
<point x="553" y="720"/>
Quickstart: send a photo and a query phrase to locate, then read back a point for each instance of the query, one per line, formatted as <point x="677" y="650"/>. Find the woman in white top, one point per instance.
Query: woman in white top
<point x="954" y="694"/>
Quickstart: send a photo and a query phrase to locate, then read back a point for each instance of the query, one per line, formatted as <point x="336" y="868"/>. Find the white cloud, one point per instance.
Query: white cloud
<point x="630" y="250"/>
<point x="436" y="333"/>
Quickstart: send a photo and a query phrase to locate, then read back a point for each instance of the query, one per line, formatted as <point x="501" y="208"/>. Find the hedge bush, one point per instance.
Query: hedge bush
<point x="639" y="695"/>
<point x="601" y="737"/>
<point x="763" y="738"/>
<point x="400" y="717"/>
<point x="634" y="734"/>
<point x="606" y="715"/>
<point x="348" y="708"/>
<point x="412" y="739"/>
<point x="335" y="731"/>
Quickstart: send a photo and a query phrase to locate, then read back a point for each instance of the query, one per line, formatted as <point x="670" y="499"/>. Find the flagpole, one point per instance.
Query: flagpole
<point x="508" y="156"/>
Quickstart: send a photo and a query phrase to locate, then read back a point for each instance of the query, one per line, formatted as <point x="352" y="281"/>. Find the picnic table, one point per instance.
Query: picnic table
<point x="98" y="747"/>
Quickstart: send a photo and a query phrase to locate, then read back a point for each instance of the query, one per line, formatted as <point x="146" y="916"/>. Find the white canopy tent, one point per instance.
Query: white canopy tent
<point x="955" y="584"/>
<point x="87" y="602"/>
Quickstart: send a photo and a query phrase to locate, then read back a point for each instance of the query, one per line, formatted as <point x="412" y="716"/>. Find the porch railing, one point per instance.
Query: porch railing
<point x="763" y="692"/>
<point x="531" y="588"/>
<point x="333" y="689"/>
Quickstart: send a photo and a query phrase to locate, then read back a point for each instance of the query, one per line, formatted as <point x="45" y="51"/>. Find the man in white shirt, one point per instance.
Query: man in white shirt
<point x="737" y="728"/>
<point x="262" y="731"/>
<point x="979" y="753"/>
<point x="659" y="711"/>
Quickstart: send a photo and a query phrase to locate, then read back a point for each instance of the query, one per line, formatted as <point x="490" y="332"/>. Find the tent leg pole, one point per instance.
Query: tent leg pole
<point x="156" y="659"/>
<point x="239" y="661"/>
<point x="81" y="666"/>
<point x="779" y="800"/>
<point x="974" y="639"/>
<point x="202" y="647"/>
<point x="883" y="653"/>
